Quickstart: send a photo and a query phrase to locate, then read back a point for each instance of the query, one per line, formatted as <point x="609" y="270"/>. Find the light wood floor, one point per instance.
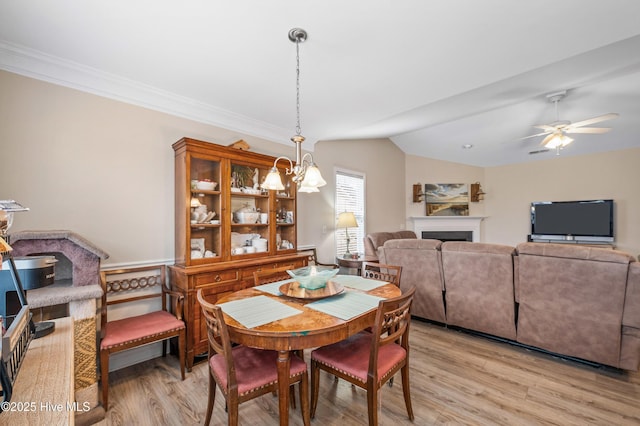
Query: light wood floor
<point x="456" y="378"/>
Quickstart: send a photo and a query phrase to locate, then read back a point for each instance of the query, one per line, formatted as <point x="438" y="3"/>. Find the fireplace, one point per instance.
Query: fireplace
<point x="448" y="228"/>
<point x="448" y="235"/>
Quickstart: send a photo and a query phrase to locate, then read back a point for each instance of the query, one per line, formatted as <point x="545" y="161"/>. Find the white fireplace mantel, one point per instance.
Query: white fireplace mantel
<point x="447" y="223"/>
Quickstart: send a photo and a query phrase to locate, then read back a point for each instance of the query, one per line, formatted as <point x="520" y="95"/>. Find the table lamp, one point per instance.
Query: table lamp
<point x="347" y="220"/>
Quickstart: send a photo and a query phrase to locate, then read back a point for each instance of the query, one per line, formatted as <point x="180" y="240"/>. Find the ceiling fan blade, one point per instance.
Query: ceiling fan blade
<point x="545" y="127"/>
<point x="547" y="139"/>
<point x="588" y="130"/>
<point x="536" y="135"/>
<point x="539" y="151"/>
<point x="593" y="120"/>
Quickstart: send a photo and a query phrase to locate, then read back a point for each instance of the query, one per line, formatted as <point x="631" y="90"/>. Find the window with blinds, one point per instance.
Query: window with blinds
<point x="350" y="190"/>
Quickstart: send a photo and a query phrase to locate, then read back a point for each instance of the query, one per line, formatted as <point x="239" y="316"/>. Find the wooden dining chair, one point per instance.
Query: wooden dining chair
<point x="271" y="276"/>
<point x="369" y="360"/>
<point x="381" y="272"/>
<point x="243" y="373"/>
<point x="313" y="260"/>
<point x="129" y="285"/>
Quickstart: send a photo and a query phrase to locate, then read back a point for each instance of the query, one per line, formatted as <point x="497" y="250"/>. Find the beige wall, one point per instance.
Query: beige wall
<point x="104" y="169"/>
<point x="426" y="170"/>
<point x="511" y="189"/>
<point x="382" y="162"/>
<point x="98" y="167"/>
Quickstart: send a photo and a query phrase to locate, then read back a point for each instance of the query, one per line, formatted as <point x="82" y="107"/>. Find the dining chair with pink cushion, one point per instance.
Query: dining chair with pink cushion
<point x="130" y="286"/>
<point x="243" y="373"/>
<point x="369" y="360"/>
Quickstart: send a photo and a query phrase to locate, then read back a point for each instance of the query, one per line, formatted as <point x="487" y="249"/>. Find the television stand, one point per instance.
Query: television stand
<point x="576" y="242"/>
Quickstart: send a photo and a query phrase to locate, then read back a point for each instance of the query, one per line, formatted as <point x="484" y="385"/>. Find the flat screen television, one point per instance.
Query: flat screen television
<point x="588" y="221"/>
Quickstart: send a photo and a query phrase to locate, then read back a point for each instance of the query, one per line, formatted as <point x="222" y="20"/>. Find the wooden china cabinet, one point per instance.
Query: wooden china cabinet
<point x="226" y="227"/>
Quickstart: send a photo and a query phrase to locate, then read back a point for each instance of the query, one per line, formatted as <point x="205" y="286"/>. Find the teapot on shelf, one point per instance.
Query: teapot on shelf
<point x="246" y="214"/>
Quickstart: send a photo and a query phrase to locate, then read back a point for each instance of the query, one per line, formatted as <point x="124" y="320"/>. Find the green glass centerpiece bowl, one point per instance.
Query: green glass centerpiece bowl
<point x="313" y="277"/>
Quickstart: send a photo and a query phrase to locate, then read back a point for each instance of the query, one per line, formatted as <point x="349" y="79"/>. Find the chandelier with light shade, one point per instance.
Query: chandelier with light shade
<point x="305" y="172"/>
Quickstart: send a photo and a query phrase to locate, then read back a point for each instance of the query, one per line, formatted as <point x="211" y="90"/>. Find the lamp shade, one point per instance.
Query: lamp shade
<point x="313" y="178"/>
<point x="273" y="180"/>
<point x="347" y="220"/>
<point x="306" y="188"/>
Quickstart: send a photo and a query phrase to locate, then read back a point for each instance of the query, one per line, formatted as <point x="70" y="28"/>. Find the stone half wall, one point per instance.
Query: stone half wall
<point x="77" y="284"/>
<point x="82" y="263"/>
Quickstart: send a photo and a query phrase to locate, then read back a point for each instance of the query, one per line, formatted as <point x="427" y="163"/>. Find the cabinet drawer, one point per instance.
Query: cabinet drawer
<point x="292" y="264"/>
<point x="216" y="277"/>
<point x="247" y="273"/>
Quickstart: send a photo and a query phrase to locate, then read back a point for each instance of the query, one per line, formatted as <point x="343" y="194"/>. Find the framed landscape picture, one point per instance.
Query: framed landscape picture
<point x="447" y="199"/>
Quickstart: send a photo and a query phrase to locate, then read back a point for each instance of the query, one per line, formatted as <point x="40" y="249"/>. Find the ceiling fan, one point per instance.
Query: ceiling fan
<point x="556" y="133"/>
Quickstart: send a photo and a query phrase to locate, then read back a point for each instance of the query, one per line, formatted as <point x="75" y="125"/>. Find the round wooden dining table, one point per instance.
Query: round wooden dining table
<point x="309" y="329"/>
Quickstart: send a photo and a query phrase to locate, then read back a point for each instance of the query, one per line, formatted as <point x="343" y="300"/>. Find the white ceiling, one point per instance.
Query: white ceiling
<point x="430" y="75"/>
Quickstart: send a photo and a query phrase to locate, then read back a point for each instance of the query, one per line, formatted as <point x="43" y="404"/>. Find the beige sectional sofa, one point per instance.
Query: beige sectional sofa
<point x="575" y="301"/>
<point x="421" y="263"/>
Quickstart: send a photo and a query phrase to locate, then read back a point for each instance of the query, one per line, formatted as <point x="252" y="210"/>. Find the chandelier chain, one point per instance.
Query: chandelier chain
<point x="298" y="128"/>
<point x="305" y="172"/>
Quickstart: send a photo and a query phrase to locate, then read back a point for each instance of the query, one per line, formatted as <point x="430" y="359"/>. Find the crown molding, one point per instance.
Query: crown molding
<point x="41" y="66"/>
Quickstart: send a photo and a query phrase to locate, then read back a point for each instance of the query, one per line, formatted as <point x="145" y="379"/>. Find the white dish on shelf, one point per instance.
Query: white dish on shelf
<point x="206" y="185"/>
<point x="246" y="217"/>
<point x="251" y="191"/>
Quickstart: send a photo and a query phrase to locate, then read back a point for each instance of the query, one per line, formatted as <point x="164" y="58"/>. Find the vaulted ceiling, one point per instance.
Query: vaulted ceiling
<point x="430" y="75"/>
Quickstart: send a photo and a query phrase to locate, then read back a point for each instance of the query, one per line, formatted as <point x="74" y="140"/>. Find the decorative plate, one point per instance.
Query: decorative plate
<point x="293" y="289"/>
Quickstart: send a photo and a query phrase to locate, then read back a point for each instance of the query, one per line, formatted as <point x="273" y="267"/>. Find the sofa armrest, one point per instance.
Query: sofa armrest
<point x="375" y="240"/>
<point x="631" y="313"/>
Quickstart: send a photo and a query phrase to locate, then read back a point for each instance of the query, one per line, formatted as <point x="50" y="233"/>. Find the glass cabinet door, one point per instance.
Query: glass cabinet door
<point x="285" y="215"/>
<point x="222" y="213"/>
<point x="249" y="213"/>
<point x="205" y="224"/>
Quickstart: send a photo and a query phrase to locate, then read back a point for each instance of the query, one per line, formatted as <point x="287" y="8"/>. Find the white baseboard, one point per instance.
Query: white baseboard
<point x="134" y="356"/>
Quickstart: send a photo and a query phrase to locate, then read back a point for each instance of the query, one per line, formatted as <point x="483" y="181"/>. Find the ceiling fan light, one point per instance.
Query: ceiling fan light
<point x="558" y="141"/>
<point x="566" y="140"/>
<point x="553" y="143"/>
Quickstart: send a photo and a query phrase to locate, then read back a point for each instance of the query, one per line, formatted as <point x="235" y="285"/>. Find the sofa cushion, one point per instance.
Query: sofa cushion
<point x="575" y="251"/>
<point x="478" y="282"/>
<point x="422" y="268"/>
<point x="572" y="300"/>
<point x="414" y="244"/>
